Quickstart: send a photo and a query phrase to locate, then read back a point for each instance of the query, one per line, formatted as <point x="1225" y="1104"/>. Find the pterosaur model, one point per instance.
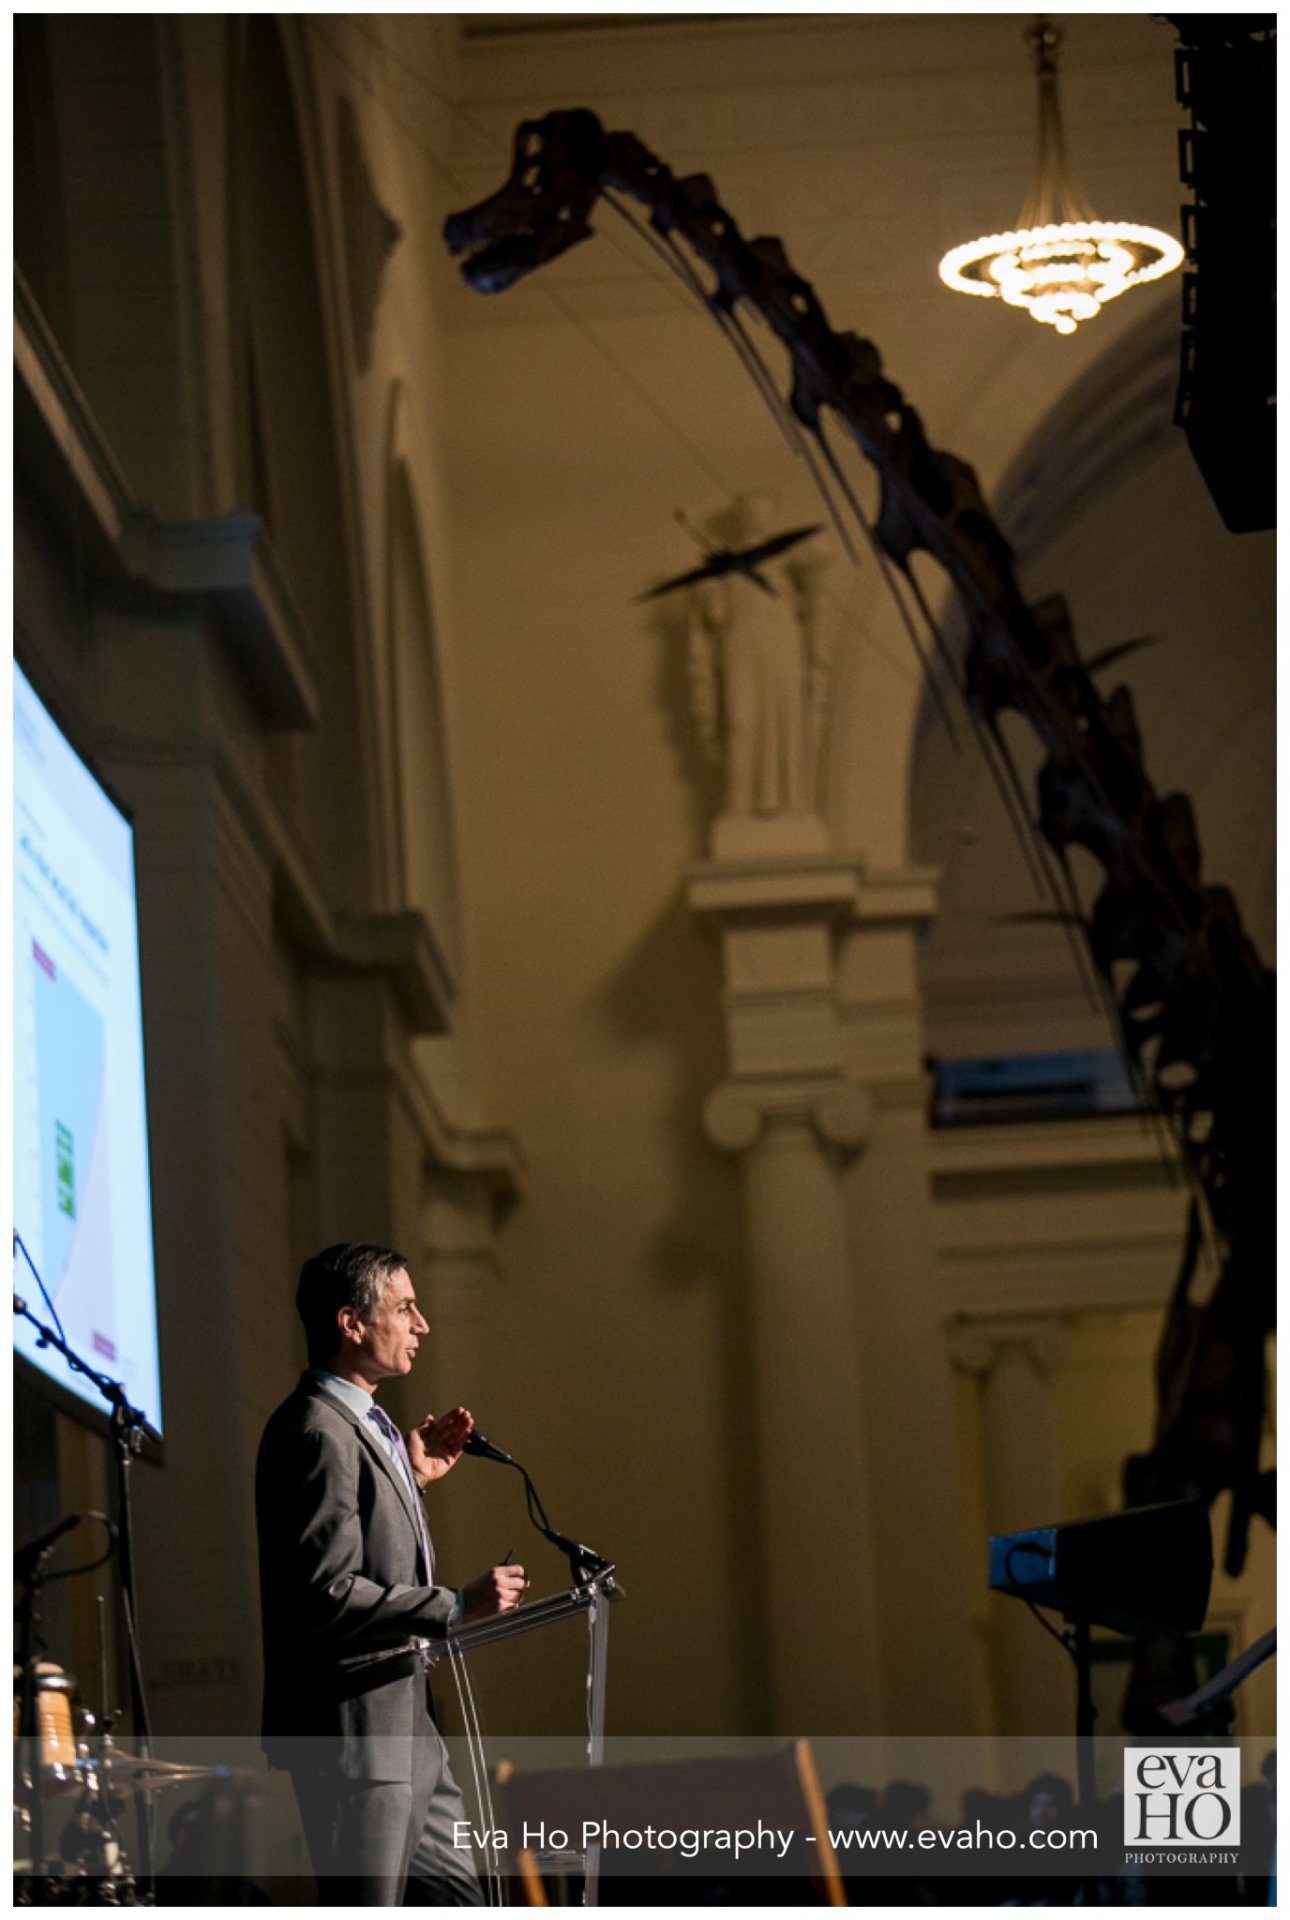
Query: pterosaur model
<point x="719" y="561"/>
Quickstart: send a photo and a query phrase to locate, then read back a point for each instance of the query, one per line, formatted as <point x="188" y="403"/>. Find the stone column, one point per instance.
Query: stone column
<point x="1014" y="1361"/>
<point x="795" y="1118"/>
<point x="816" y="1535"/>
<point x="926" y="1549"/>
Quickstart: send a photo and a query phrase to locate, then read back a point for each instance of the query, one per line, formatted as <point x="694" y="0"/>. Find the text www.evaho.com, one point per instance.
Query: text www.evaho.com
<point x="960" y="1839"/>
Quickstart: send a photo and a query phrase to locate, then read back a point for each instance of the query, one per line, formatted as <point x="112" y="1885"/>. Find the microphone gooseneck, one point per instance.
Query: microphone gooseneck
<point x="585" y="1563"/>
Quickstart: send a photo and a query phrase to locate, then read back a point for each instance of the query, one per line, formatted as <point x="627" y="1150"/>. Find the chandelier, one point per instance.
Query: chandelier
<point x="1061" y="264"/>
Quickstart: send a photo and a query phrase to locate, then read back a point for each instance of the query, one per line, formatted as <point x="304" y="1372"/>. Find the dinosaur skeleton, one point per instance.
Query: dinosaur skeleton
<point x="1191" y="1001"/>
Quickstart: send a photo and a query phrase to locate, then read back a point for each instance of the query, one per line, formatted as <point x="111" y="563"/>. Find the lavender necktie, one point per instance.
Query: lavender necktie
<point x="382" y="1420"/>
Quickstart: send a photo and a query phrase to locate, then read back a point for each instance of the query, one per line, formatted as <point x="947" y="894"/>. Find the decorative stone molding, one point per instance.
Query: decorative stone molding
<point x="839" y="1112"/>
<point x="357" y="1047"/>
<point x="1093" y="1225"/>
<point x="401" y="946"/>
<point x="230" y="565"/>
<point x="486" y="1160"/>
<point x="897" y="897"/>
<point x="371" y="234"/>
<point x="226" y="566"/>
<point x="777" y="917"/>
<point x="803" y="884"/>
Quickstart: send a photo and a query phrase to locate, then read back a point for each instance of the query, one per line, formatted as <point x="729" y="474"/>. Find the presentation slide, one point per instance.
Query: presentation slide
<point x="82" y="1199"/>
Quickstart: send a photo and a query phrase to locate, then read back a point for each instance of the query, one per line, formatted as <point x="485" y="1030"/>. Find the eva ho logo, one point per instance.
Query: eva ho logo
<point x="1182" y="1797"/>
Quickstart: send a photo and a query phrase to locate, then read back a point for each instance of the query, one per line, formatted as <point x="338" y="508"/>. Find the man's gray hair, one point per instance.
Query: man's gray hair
<point x="349" y="1274"/>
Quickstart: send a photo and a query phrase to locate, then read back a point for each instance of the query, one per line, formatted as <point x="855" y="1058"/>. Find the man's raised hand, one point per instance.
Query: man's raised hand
<point x="500" y="1590"/>
<point x="435" y="1446"/>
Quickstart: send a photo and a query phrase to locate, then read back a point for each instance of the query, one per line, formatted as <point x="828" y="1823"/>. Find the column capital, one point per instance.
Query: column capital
<point x="839" y="1111"/>
<point x="976" y="1345"/>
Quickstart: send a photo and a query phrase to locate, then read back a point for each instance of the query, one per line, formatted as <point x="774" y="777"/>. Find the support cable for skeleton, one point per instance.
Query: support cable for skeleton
<point x="665" y="249"/>
<point x="884" y="566"/>
<point x="1028" y="839"/>
<point x="734" y="334"/>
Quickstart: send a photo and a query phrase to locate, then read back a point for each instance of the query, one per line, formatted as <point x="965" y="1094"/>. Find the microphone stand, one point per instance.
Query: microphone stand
<point x="592" y="1574"/>
<point x="29" y="1726"/>
<point x="130" y="1428"/>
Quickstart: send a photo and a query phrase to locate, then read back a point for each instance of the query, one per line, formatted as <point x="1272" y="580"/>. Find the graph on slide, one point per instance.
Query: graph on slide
<point x="70" y="1060"/>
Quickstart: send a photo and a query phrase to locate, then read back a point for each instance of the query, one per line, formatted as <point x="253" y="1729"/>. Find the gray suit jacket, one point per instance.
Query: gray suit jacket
<point x="340" y="1578"/>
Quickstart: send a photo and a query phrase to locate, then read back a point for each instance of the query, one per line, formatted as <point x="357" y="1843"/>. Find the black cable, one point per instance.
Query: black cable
<point x="1065" y="1641"/>
<point x="584" y="1562"/>
<point x="20" y="1246"/>
<point x="88" y="1566"/>
<point x="886" y="567"/>
<point x="533" y="1499"/>
<point x="749" y="358"/>
<point x="675" y="262"/>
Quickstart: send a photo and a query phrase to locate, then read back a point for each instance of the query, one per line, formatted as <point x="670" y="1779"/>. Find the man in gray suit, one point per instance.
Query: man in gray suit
<point x="347" y="1591"/>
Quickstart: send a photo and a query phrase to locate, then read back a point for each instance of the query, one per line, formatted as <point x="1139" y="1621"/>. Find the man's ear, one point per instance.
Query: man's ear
<point x="349" y="1325"/>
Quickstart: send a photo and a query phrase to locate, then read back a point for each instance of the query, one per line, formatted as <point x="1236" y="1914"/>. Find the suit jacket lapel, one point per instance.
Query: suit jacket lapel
<point x="378" y="1453"/>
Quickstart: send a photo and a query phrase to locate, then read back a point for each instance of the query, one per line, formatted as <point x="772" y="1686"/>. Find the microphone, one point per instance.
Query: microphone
<point x="28" y="1558"/>
<point x="485" y="1450"/>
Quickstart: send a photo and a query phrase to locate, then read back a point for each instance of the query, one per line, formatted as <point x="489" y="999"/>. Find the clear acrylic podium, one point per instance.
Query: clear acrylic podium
<point x="592" y="1597"/>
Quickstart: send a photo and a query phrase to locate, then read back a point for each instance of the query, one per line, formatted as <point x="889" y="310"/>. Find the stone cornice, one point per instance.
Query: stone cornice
<point x="810" y="885"/>
<point x="489" y="1154"/>
<point x="962" y="1155"/>
<point x="897" y="896"/>
<point x="401" y="946"/>
<point x="1054" y="1217"/>
<point x="837" y="885"/>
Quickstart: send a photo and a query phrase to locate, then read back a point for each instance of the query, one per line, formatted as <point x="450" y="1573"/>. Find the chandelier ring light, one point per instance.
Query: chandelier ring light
<point x="1060" y="265"/>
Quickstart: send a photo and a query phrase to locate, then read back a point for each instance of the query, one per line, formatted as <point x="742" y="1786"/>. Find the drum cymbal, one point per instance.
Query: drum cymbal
<point x="134" y="1773"/>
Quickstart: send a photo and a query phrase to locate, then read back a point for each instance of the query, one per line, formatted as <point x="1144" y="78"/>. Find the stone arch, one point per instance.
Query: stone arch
<point x="417" y="719"/>
<point x="293" y="455"/>
<point x="1103" y="504"/>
